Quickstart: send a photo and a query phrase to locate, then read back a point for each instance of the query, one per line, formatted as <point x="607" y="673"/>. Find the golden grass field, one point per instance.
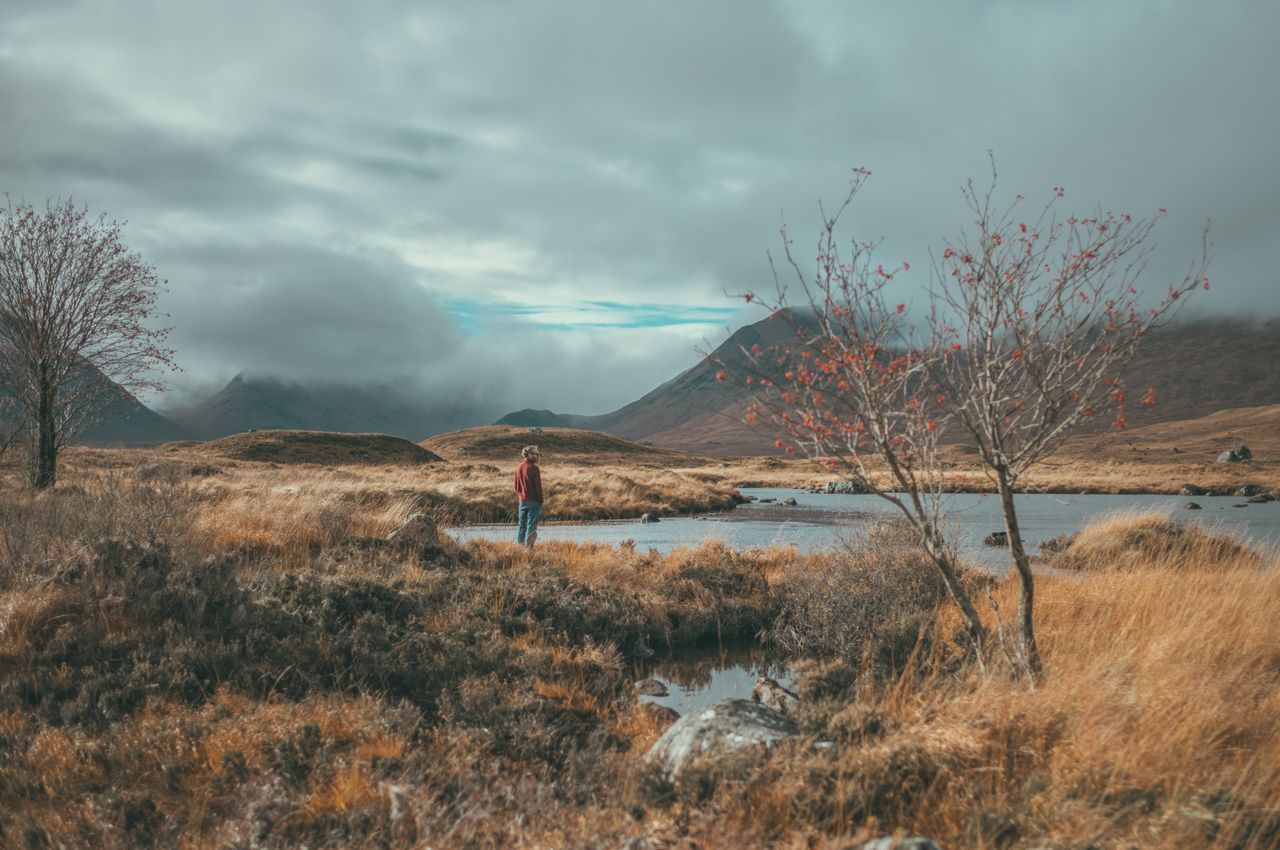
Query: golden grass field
<point x="231" y="672"/>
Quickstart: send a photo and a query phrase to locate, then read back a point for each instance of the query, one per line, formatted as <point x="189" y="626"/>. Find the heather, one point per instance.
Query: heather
<point x="169" y="678"/>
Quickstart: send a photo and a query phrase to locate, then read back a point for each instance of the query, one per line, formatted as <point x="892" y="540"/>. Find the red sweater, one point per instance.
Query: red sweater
<point x="528" y="482"/>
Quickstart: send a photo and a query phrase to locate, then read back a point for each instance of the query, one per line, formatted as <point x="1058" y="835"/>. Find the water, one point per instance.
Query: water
<point x="819" y="520"/>
<point x="699" y="677"/>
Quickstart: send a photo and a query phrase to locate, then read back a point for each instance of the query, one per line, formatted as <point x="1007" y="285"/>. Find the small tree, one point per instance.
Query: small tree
<point x="1031" y="326"/>
<point x="850" y="389"/>
<point x="76" y="308"/>
<point x="1033" y="322"/>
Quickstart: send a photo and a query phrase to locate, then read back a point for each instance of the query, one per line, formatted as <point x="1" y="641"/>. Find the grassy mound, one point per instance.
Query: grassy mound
<point x="504" y="442"/>
<point x="1127" y="538"/>
<point x="320" y="447"/>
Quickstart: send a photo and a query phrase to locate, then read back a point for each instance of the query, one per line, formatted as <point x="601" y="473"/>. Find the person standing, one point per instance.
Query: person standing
<point x="529" y="492"/>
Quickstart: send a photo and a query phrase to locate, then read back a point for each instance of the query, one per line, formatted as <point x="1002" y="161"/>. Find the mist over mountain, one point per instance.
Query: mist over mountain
<point x="254" y="402"/>
<point x="1197" y="367"/>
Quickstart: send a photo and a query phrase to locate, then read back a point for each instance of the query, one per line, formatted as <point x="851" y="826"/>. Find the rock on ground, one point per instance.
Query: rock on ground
<point x="771" y="694"/>
<point x="416" y="531"/>
<point x="717" y="731"/>
<point x="909" y="842"/>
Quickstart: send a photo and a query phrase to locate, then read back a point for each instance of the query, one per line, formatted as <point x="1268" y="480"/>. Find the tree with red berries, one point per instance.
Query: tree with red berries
<point x="1033" y="321"/>
<point x="1031" y="324"/>
<point x="77" y="313"/>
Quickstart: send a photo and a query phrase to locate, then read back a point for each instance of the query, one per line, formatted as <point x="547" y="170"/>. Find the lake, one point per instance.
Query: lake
<point x="819" y="519"/>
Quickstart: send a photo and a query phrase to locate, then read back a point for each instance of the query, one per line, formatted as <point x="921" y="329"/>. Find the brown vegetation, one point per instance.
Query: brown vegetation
<point x="163" y="685"/>
<point x="316" y="447"/>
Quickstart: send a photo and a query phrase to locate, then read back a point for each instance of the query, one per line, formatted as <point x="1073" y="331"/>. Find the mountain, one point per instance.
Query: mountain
<point x="125" y="421"/>
<point x="1197" y="368"/>
<point x="122" y="420"/>
<point x="247" y="403"/>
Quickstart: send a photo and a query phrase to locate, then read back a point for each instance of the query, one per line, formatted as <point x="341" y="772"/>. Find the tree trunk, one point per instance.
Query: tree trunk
<point x="1028" y="651"/>
<point x="977" y="633"/>
<point x="45" y="473"/>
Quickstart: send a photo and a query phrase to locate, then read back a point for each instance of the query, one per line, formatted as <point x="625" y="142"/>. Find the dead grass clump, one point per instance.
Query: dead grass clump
<point x="877" y="596"/>
<point x="1125" y="539"/>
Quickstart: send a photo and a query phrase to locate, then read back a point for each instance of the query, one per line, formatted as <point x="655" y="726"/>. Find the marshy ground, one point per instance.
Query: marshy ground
<point x="205" y="652"/>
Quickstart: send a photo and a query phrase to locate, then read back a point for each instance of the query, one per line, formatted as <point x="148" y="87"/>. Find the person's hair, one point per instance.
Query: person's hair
<point x="529" y="450"/>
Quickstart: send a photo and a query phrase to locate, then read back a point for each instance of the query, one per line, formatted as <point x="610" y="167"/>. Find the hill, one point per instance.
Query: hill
<point x="503" y="443"/>
<point x="248" y="402"/>
<point x="319" y="447"/>
<point x="1196" y="367"/>
<point x="1199" y="439"/>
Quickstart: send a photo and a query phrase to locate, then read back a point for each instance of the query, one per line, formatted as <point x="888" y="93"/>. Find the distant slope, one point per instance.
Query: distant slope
<point x="122" y="420"/>
<point x="268" y="403"/>
<point x="320" y="447"/>
<point x="1196" y="367"/>
<point x="530" y="418"/>
<point x="128" y="422"/>
<point x="503" y="443"/>
<point x="1200" y="438"/>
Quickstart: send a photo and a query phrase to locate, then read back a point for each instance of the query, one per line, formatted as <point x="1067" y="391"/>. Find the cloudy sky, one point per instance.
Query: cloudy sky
<point x="545" y="202"/>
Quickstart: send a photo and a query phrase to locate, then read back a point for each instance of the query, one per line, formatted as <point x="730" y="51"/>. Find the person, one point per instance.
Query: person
<point x="529" y="492"/>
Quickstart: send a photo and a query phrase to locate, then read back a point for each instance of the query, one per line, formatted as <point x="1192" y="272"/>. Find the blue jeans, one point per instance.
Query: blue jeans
<point x="527" y="523"/>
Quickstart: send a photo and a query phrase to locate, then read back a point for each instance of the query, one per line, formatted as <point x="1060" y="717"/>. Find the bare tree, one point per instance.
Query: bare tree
<point x="76" y="314"/>
<point x="1030" y="328"/>
<point x="850" y="390"/>
<point x="1033" y="322"/>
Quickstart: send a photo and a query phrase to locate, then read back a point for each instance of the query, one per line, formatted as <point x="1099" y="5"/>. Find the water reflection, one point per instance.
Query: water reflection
<point x="700" y="676"/>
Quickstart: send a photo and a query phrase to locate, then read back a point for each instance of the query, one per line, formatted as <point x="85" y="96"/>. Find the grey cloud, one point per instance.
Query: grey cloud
<point x="306" y="313"/>
<point x="642" y="151"/>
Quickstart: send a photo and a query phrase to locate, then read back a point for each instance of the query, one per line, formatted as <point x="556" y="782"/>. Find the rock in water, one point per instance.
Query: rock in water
<point x="996" y="538"/>
<point x="771" y="694"/>
<point x="648" y="518"/>
<point x="719" y="730"/>
<point x="651" y="688"/>
<point x="790" y="502"/>
<point x="1191" y="506"/>
<point x="415" y="532"/>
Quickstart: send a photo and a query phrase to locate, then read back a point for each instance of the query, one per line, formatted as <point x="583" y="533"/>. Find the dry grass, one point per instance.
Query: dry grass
<point x="485" y="700"/>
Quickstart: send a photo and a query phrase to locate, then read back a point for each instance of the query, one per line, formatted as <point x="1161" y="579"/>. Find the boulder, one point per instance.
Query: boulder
<point x="1249" y="490"/>
<point x="1191" y="506"/>
<point x="649" y="518"/>
<point x="906" y="842"/>
<point x="651" y="688"/>
<point x="772" y="694"/>
<point x="415" y="532"/>
<point x="1261" y="498"/>
<point x="719" y="731"/>
<point x="1239" y="454"/>
<point x="1192" y="490"/>
<point x="790" y="502"/>
<point x="996" y="538"/>
<point x="1240" y="505"/>
<point x="767" y="501"/>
